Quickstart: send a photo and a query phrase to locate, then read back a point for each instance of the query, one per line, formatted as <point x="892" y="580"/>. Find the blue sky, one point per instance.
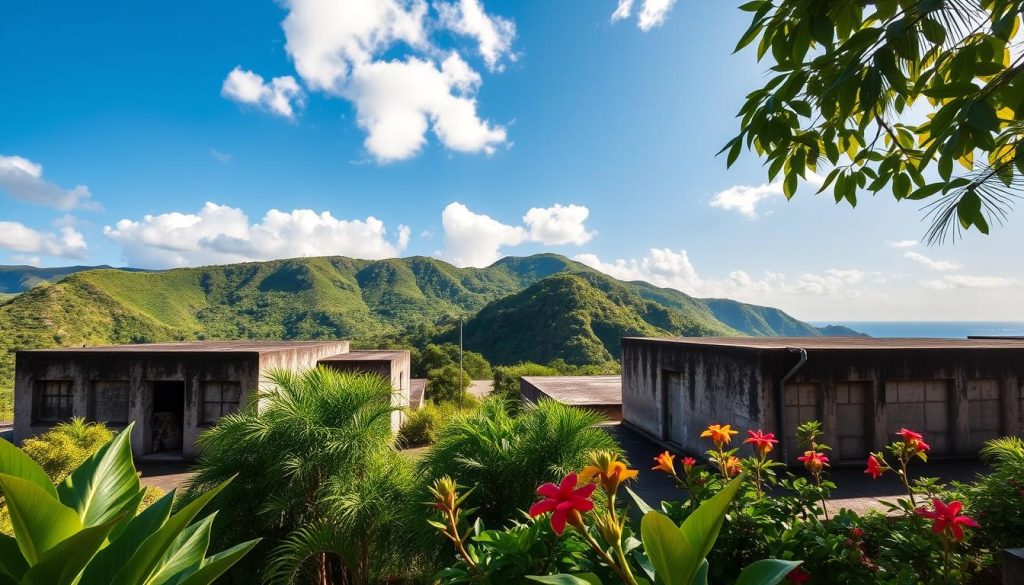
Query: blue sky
<point x="121" y="121"/>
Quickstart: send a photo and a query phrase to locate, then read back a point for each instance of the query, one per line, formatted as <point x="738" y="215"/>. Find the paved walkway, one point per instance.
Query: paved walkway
<point x="166" y="475"/>
<point x="855" y="490"/>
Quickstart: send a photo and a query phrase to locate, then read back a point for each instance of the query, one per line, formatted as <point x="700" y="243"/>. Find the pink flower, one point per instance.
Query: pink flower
<point x="763" y="442"/>
<point x="914" y="440"/>
<point x="814" y="461"/>
<point x="875" y="468"/>
<point x="566" y="501"/>
<point x="688" y="463"/>
<point x="946" y="518"/>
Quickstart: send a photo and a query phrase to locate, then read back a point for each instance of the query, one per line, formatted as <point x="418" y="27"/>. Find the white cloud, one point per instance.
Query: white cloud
<point x="224" y="157"/>
<point x="956" y="281"/>
<point x="397" y="101"/>
<point x="744" y="199"/>
<point x="219" y="233"/>
<point x="281" y="96"/>
<point x="23" y="179"/>
<point x="17" y="237"/>
<point x="378" y="55"/>
<point x="652" y="12"/>
<point x="475" y="239"/>
<point x="942" y="265"/>
<point x="902" y="243"/>
<point x="493" y="34"/>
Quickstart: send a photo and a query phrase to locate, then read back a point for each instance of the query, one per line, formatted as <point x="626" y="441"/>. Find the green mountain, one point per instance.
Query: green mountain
<point x="534" y="308"/>
<point x="16" y="279"/>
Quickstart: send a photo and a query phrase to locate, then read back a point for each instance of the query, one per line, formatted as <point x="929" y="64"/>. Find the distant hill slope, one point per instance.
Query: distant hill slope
<point x="17" y="279"/>
<point x="533" y="308"/>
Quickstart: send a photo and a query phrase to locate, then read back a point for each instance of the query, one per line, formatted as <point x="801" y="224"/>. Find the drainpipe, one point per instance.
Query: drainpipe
<point x="781" y="400"/>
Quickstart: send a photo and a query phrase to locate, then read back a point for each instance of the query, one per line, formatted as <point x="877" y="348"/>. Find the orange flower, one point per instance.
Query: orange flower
<point x="814" y="461"/>
<point x="720" y="434"/>
<point x="608" y="469"/>
<point x="733" y="467"/>
<point x="663" y="462"/>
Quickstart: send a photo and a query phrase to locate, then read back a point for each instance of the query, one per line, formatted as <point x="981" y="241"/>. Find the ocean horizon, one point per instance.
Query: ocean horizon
<point x="943" y="329"/>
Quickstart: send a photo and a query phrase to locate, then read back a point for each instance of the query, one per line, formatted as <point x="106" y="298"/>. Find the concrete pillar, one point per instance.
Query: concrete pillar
<point x="1013" y="566"/>
<point x="140" y="406"/>
<point x="1009" y="405"/>
<point x="829" y="419"/>
<point x="80" y="387"/>
<point x="959" y="409"/>
<point x="190" y="415"/>
<point x="878" y="417"/>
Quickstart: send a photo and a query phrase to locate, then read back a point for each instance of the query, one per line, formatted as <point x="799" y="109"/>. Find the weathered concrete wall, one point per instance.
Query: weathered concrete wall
<point x="139" y="370"/>
<point x="397" y="369"/>
<point x="673" y="392"/>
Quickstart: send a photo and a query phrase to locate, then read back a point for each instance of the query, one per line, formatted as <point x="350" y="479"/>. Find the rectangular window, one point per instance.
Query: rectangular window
<point x="54" y="400"/>
<point x="220" y="398"/>
<point x="110" y="401"/>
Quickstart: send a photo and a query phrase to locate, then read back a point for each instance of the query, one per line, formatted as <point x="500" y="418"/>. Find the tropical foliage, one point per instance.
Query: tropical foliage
<point x="448" y="384"/>
<point x="88" y="528"/>
<point x="66" y="446"/>
<point x="881" y="93"/>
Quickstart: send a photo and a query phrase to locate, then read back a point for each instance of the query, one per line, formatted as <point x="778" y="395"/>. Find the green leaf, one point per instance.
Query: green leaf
<point x="566" y="579"/>
<point x="641" y="505"/>
<point x="766" y="572"/>
<point x="11" y="561"/>
<point x="948" y="90"/>
<point x="39" y="520"/>
<point x="789" y="185"/>
<point x="926" y="191"/>
<point x="104" y="484"/>
<point x="114" y="557"/>
<point x="668" y="549"/>
<point x="185" y="555"/>
<point x="701" y="578"/>
<point x="146" y="559"/>
<point x="218" y="564"/>
<point x="822" y="30"/>
<point x="63" y="564"/>
<point x="968" y="210"/>
<point x="14" y="462"/>
<point x="701" y="528"/>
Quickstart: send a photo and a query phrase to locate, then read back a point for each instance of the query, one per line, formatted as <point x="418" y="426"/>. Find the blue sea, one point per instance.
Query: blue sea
<point x="948" y="329"/>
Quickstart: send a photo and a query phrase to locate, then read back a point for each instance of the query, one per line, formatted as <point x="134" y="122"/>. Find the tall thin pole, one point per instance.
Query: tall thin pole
<point x="460" y="363"/>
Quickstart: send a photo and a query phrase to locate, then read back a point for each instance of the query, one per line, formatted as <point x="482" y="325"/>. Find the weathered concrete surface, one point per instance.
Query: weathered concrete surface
<point x="958" y="392"/>
<point x="600" y="393"/>
<point x="142" y="367"/>
<point x="1013" y="566"/>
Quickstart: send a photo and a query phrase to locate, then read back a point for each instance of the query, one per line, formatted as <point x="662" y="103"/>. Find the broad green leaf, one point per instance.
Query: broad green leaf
<point x="641" y="505"/>
<point x="701" y="578"/>
<point x="11" y="561"/>
<point x="670" y="553"/>
<point x="565" y="579"/>
<point x="701" y="528"/>
<point x="102" y="485"/>
<point x="218" y="564"/>
<point x="39" y="520"/>
<point x="185" y="556"/>
<point x="114" y="557"/>
<point x="968" y="210"/>
<point x="14" y="462"/>
<point x="62" y="564"/>
<point x="146" y="559"/>
<point x="766" y="572"/>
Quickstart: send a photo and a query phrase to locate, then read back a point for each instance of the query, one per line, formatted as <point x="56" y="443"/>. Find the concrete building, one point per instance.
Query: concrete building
<point x="600" y="393"/>
<point x="172" y="391"/>
<point x="960" y="393"/>
<point x="394" y="365"/>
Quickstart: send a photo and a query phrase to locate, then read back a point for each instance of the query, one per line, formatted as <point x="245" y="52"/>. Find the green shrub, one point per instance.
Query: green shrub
<point x="435" y="356"/>
<point x="421" y="425"/>
<point x="506" y="457"/>
<point x="66" y="446"/>
<point x="506" y="378"/>
<point x="446" y="385"/>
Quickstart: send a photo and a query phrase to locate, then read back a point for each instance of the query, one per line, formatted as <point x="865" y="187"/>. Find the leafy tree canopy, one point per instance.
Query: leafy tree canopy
<point x="882" y="92"/>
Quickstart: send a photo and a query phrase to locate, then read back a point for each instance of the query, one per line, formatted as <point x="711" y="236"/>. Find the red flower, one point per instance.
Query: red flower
<point x="946" y="519"/>
<point x="856" y="532"/>
<point x="814" y="461"/>
<point x="566" y="500"/>
<point x="762" y="442"/>
<point x="913" y="439"/>
<point x="875" y="468"/>
<point x="688" y="463"/>
<point x="798" y="575"/>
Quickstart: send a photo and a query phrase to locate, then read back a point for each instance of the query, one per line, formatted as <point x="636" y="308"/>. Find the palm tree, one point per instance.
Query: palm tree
<point x="505" y="457"/>
<point x="317" y="476"/>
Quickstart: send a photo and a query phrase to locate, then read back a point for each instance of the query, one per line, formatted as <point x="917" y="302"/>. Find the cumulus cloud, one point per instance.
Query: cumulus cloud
<point x="652" y="12"/>
<point x="281" y="96"/>
<point x="744" y="199"/>
<point x="902" y="243"/>
<point x="475" y="239"/>
<point x="493" y="34"/>
<point x="17" y="237"/>
<point x="957" y="281"/>
<point x="378" y="54"/>
<point x="23" y="179"/>
<point x="941" y="265"/>
<point x="220" y="233"/>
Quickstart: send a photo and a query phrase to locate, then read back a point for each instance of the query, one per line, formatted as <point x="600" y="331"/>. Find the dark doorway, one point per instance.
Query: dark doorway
<point x="168" y="418"/>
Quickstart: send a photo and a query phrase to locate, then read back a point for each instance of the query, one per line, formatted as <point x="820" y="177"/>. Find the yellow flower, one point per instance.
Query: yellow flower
<point x="720" y="434"/>
<point x="664" y="463"/>
<point x="606" y="467"/>
<point x="733" y="467"/>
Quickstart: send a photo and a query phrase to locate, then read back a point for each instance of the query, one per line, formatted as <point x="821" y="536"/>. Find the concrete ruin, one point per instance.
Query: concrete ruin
<point x="394" y="365"/>
<point x="600" y="393"/>
<point x="960" y="393"/>
<point x="171" y="391"/>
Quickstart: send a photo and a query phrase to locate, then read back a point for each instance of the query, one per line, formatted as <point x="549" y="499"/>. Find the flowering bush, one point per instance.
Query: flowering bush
<point x="739" y="512"/>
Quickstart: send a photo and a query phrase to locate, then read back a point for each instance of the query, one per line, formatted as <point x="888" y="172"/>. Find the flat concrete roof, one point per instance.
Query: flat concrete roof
<point x="839" y="343"/>
<point x="252" y="346"/>
<point x="417" y="386"/>
<point x="579" y="390"/>
<point x="368" y="355"/>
